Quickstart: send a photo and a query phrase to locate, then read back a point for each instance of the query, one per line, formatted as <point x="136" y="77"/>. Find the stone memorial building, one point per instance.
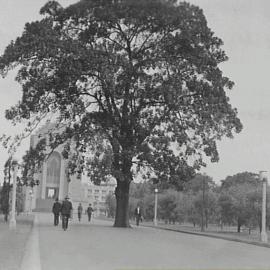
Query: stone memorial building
<point x="53" y="183"/>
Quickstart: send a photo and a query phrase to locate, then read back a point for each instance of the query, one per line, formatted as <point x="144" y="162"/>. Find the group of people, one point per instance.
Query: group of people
<point x="65" y="209"/>
<point x="89" y="211"/>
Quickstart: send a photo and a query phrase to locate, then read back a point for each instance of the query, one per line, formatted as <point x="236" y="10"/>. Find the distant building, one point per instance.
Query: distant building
<point x="96" y="195"/>
<point x="53" y="183"/>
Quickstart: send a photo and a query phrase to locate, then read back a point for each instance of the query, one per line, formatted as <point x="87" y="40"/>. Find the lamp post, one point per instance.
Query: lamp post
<point x="156" y="201"/>
<point x="263" y="178"/>
<point x="31" y="199"/>
<point x="12" y="222"/>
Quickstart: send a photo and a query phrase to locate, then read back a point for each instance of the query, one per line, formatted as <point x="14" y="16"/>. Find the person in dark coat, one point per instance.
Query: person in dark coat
<point x="66" y="211"/>
<point x="89" y="212"/>
<point x="138" y="214"/>
<point x="56" y="209"/>
<point x="80" y="210"/>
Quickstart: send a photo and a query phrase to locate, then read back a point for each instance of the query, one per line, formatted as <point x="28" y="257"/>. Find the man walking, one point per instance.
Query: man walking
<point x="80" y="209"/>
<point x="56" y="211"/>
<point x="66" y="211"/>
<point x="138" y="215"/>
<point x="89" y="212"/>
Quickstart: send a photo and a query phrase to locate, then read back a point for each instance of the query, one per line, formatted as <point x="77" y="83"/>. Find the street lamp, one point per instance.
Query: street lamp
<point x="12" y="222"/>
<point x="263" y="178"/>
<point x="156" y="202"/>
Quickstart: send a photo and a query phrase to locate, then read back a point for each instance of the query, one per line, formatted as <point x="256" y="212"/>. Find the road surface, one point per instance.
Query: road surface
<point x="99" y="246"/>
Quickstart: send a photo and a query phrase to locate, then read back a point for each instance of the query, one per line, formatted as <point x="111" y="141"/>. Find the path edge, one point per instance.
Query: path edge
<point x="31" y="257"/>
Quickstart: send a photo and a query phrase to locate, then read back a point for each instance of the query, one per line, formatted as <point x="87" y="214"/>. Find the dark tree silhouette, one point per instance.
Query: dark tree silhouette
<point x="140" y="76"/>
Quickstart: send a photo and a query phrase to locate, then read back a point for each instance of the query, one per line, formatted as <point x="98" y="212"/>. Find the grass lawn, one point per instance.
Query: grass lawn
<point x="229" y="232"/>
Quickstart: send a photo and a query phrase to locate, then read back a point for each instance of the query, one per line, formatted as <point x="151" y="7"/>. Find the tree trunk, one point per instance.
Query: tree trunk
<point x="206" y="219"/>
<point x="202" y="222"/>
<point x="8" y="191"/>
<point x="6" y="216"/>
<point x="260" y="225"/>
<point x="122" y="204"/>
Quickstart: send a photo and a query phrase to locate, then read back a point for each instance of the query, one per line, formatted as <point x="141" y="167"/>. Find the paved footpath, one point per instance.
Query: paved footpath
<point x="12" y="242"/>
<point x="99" y="246"/>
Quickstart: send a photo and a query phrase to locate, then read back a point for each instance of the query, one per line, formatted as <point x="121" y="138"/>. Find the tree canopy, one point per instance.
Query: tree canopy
<point x="243" y="178"/>
<point x="142" y="76"/>
<point x="241" y="199"/>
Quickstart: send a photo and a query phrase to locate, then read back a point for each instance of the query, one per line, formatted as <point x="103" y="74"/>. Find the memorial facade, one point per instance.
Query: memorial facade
<point x="54" y="183"/>
<point x="53" y="180"/>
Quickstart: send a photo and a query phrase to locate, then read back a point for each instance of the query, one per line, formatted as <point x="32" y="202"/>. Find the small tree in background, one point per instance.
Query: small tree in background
<point x="241" y="187"/>
<point x="110" y="205"/>
<point x="226" y="209"/>
<point x="168" y="202"/>
<point x="254" y="208"/>
<point x="201" y="187"/>
<point x="20" y="198"/>
<point x="192" y="215"/>
<point x="4" y="197"/>
<point x="148" y="206"/>
<point x="7" y="187"/>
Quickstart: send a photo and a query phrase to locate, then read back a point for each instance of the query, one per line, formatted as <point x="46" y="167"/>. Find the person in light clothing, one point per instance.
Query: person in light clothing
<point x="138" y="214"/>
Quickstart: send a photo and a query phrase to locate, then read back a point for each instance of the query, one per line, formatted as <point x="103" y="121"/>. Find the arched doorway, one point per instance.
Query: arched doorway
<point x="53" y="176"/>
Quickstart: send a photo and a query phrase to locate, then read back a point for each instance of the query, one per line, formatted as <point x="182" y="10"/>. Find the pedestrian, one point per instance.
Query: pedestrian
<point x="138" y="214"/>
<point x="56" y="209"/>
<point x="80" y="209"/>
<point x="5" y="210"/>
<point x="89" y="212"/>
<point x="66" y="211"/>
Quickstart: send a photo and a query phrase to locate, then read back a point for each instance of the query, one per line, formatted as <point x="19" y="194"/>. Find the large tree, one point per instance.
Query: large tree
<point x="141" y="76"/>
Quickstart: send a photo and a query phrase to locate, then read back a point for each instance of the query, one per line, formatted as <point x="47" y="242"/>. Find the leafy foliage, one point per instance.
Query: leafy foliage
<point x="4" y="199"/>
<point x="148" y="76"/>
<point x="240" y="178"/>
<point x="32" y="162"/>
<point x="241" y="199"/>
<point x="110" y="205"/>
<point x="168" y="206"/>
<point x="20" y="199"/>
<point x="227" y="213"/>
<point x="144" y="74"/>
<point x="7" y="188"/>
<point x="198" y="183"/>
<point x="234" y="203"/>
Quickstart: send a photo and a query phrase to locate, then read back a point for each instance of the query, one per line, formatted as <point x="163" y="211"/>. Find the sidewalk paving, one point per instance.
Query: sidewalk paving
<point x="12" y="243"/>
<point x="31" y="257"/>
<point x="99" y="246"/>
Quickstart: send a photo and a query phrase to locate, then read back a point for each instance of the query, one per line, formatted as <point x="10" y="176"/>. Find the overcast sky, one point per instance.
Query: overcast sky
<point x="244" y="27"/>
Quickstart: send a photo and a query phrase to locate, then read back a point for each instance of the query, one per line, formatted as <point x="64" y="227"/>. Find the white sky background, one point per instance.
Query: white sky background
<point x="243" y="25"/>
